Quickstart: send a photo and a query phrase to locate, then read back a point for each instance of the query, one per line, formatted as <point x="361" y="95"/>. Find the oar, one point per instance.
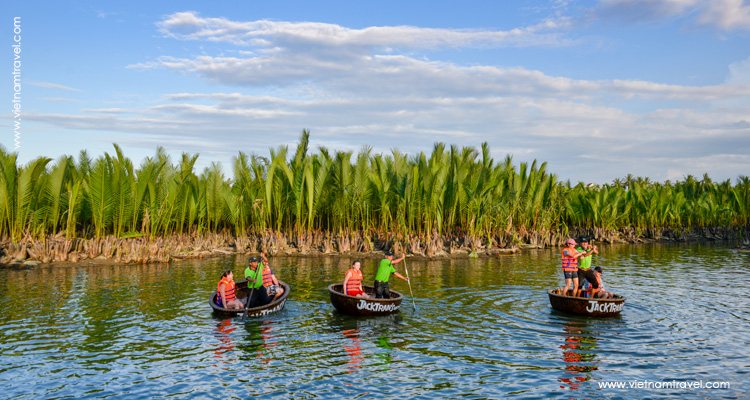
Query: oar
<point x="409" y="282"/>
<point x="247" y="303"/>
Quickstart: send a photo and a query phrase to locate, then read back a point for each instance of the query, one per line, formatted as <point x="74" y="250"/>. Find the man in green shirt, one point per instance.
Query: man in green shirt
<point x="584" y="265"/>
<point x="254" y="276"/>
<point x="382" y="290"/>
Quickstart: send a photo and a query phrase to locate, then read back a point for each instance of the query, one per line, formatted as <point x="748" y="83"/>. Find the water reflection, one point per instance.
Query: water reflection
<point x="224" y="349"/>
<point x="579" y="354"/>
<point x="260" y="341"/>
<point x="353" y="350"/>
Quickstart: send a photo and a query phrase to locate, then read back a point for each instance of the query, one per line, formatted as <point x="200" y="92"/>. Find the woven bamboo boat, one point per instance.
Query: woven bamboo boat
<point x="241" y="292"/>
<point x="357" y="306"/>
<point x="585" y="306"/>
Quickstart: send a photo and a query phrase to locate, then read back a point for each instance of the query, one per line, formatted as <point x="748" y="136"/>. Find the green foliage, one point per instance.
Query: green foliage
<point x="449" y="190"/>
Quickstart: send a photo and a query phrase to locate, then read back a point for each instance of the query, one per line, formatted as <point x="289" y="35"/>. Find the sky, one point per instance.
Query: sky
<point x="596" y="89"/>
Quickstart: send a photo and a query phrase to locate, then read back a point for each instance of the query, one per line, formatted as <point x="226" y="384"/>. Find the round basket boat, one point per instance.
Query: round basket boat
<point x="357" y="306"/>
<point x="585" y="306"/>
<point x="241" y="294"/>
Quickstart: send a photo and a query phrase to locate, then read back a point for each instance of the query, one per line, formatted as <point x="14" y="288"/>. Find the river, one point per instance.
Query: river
<point x="482" y="328"/>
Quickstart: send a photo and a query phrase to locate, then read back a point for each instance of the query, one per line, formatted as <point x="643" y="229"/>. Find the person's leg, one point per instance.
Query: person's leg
<point x="567" y="285"/>
<point x="279" y="292"/>
<point x="386" y="290"/>
<point x="576" y="292"/>
<point x="378" y="290"/>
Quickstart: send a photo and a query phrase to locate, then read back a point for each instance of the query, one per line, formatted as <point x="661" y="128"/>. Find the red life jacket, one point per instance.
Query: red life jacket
<point x="267" y="276"/>
<point x="569" y="263"/>
<point x="228" y="290"/>
<point x="355" y="279"/>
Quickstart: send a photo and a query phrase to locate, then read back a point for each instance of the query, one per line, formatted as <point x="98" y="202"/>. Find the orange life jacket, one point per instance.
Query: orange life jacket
<point x="355" y="279"/>
<point x="267" y="276"/>
<point x="228" y="290"/>
<point x="569" y="263"/>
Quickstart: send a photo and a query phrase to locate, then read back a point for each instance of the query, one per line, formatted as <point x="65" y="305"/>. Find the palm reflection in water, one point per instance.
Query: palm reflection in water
<point x="579" y="356"/>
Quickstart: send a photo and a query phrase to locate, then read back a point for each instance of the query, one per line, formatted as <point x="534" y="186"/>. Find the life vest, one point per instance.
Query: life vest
<point x="355" y="279"/>
<point x="267" y="277"/>
<point x="569" y="263"/>
<point x="228" y="291"/>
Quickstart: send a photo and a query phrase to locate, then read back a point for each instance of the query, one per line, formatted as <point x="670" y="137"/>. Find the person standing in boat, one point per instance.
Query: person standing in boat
<point x="570" y="259"/>
<point x="269" y="279"/>
<point x="254" y="276"/>
<point x="353" y="281"/>
<point x="585" y="272"/>
<point x="225" y="297"/>
<point x="382" y="289"/>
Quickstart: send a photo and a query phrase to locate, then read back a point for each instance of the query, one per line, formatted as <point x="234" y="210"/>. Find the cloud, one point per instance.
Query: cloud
<point x="52" y="86"/>
<point x="644" y="10"/>
<point x="60" y="99"/>
<point x="191" y="26"/>
<point x="369" y="86"/>
<point x="724" y="15"/>
<point x="604" y="138"/>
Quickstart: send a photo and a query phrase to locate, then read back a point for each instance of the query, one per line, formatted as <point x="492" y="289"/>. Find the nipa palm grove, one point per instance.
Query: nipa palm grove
<point x="455" y="200"/>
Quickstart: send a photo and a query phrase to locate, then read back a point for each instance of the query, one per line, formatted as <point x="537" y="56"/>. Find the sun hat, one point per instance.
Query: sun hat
<point x="570" y="241"/>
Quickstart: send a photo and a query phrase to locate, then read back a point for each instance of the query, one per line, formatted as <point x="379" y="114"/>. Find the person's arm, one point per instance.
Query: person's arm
<point x="275" y="281"/>
<point x="399" y="259"/>
<point x="594" y="249"/>
<point x="222" y="289"/>
<point x="401" y="276"/>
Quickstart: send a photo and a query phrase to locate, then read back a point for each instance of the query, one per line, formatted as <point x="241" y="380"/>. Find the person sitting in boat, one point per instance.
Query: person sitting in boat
<point x="269" y="280"/>
<point x="254" y="276"/>
<point x="225" y="297"/>
<point x="353" y="281"/>
<point x="601" y="293"/>
<point x="585" y="272"/>
<point x="570" y="259"/>
<point x="382" y="289"/>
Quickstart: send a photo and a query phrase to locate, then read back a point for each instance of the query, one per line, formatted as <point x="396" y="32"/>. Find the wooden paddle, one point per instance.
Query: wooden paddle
<point x="247" y="303"/>
<point x="409" y="282"/>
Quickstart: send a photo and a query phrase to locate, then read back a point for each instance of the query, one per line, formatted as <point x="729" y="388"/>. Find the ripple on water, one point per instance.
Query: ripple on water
<point x="486" y="336"/>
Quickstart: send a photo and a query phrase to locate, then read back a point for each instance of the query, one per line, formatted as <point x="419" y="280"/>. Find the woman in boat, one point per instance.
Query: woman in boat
<point x="353" y="281"/>
<point x="225" y="297"/>
<point x="570" y="259"/>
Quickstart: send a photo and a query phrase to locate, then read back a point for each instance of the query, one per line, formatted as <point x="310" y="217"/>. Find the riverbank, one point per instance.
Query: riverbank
<point x="30" y="252"/>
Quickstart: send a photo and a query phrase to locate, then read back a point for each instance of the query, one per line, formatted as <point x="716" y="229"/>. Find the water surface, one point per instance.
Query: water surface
<point x="482" y="328"/>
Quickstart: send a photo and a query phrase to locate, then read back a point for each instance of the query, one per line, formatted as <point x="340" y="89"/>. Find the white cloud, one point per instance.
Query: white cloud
<point x="52" y="86"/>
<point x="725" y="15"/>
<point x="739" y="72"/>
<point x="357" y="86"/>
<point x="191" y="26"/>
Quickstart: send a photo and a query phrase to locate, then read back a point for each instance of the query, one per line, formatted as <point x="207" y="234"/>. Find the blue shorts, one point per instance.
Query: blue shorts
<point x="571" y="274"/>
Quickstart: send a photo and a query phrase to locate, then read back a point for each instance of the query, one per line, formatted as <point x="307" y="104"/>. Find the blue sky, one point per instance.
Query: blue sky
<point x="597" y="89"/>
